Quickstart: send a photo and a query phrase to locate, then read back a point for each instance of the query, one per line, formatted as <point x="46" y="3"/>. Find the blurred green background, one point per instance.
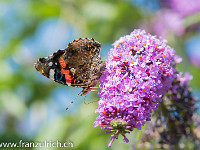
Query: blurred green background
<point x="32" y="107"/>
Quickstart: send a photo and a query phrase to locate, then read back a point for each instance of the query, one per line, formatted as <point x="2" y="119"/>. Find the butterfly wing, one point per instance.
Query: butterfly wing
<point x="79" y="65"/>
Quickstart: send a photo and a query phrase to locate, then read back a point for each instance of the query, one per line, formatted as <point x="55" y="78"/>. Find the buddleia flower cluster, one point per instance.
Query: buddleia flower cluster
<point x="138" y="72"/>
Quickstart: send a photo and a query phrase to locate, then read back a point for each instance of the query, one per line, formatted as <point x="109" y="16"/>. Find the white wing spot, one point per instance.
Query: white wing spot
<point x="68" y="83"/>
<point x="51" y="74"/>
<point x="50" y="64"/>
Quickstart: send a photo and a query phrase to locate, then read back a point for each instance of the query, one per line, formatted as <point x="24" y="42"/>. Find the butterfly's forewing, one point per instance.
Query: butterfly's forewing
<point x="50" y="67"/>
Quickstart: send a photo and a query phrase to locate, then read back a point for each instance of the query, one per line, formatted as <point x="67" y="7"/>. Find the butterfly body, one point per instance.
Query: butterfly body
<point x="79" y="65"/>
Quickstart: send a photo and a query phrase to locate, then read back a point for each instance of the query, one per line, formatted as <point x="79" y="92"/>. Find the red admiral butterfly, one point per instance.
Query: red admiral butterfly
<point x="79" y="65"/>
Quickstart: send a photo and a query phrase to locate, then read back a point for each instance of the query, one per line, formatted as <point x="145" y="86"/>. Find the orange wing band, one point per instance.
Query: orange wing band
<point x="67" y="76"/>
<point x="62" y="62"/>
<point x="64" y="71"/>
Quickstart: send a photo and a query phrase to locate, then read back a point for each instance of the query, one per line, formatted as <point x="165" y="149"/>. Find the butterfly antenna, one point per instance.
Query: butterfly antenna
<point x="73" y="100"/>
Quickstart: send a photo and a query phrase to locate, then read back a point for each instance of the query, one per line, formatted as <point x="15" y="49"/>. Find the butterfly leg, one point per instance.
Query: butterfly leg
<point x="84" y="100"/>
<point x="91" y="102"/>
<point x="94" y="90"/>
<point x="95" y="87"/>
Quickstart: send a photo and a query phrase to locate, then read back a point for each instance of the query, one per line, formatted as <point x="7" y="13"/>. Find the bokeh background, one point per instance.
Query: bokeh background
<point x="32" y="107"/>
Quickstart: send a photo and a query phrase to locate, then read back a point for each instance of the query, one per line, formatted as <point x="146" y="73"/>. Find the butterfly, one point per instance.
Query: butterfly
<point x="78" y="65"/>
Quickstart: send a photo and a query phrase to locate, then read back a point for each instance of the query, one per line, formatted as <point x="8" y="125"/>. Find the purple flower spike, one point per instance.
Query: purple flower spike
<point x="138" y="72"/>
